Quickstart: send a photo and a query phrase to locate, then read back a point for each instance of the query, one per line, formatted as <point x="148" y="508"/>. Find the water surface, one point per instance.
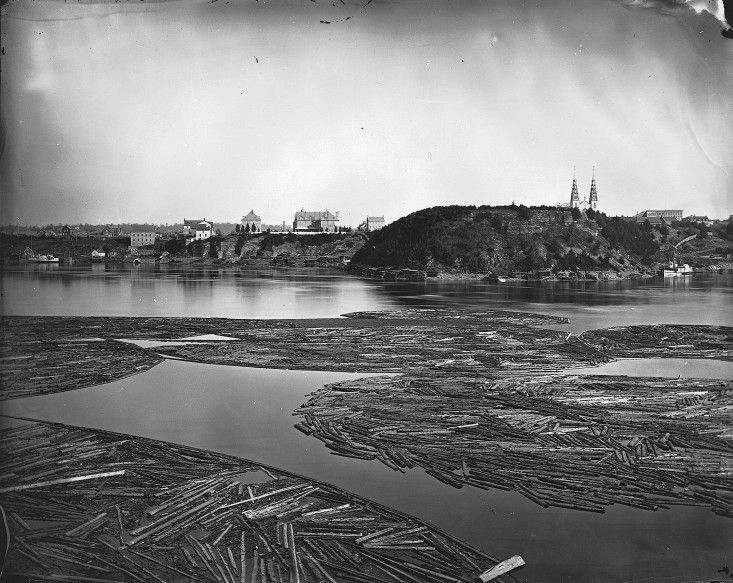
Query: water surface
<point x="100" y="290"/>
<point x="247" y="412"/>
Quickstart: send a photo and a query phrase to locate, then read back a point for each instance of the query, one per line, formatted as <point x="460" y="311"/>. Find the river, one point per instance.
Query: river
<point x="247" y="412"/>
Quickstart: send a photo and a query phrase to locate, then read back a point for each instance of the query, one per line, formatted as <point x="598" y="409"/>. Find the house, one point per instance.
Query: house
<point x="251" y="223"/>
<point x="142" y="238"/>
<point x="66" y="232"/>
<point x="198" y="229"/>
<point x="315" y="221"/>
<point x="374" y="223"/>
<point x="699" y="219"/>
<point x="98" y="254"/>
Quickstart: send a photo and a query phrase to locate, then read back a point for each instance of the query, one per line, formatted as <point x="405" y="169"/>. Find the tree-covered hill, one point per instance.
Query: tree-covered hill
<point x="468" y="239"/>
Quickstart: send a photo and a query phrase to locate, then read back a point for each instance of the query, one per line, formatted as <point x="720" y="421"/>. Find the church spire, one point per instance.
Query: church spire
<point x="593" y="200"/>
<point x="574" y="196"/>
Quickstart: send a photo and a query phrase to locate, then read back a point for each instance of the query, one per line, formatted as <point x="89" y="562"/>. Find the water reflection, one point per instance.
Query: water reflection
<point x="671" y="368"/>
<point x="700" y="299"/>
<point x="113" y="290"/>
<point x="118" y="290"/>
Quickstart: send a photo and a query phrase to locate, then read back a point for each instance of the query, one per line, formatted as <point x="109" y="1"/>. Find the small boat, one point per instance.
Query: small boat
<point x="675" y="270"/>
<point x="43" y="259"/>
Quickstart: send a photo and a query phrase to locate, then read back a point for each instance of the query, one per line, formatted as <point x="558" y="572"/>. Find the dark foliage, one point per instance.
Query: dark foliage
<point x="524" y="213"/>
<point x="174" y="246"/>
<point x="214" y="247"/>
<point x="507" y="239"/>
<point x="471" y="239"/>
<point x="729" y="230"/>
<point x="311" y="240"/>
<point x="634" y="238"/>
<point x="196" y="248"/>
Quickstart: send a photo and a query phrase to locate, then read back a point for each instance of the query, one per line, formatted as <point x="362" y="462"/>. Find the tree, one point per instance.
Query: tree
<point x="176" y="245"/>
<point x="196" y="248"/>
<point x="237" y="227"/>
<point x="524" y="213"/>
<point x="246" y="228"/>
<point x="214" y="245"/>
<point x="575" y="213"/>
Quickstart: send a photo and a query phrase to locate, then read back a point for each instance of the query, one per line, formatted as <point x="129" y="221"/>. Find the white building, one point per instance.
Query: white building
<point x="315" y="221"/>
<point x="374" y="223"/>
<point x="198" y="229"/>
<point x="251" y="223"/>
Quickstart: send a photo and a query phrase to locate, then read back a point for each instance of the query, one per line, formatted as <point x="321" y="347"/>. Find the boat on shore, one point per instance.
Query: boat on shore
<point x="43" y="259"/>
<point x="675" y="270"/>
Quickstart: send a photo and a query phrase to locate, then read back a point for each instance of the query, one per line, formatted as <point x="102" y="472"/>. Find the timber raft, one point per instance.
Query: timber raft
<point x="94" y="506"/>
<point x="41" y="355"/>
<point x="483" y="398"/>
<point x="573" y="442"/>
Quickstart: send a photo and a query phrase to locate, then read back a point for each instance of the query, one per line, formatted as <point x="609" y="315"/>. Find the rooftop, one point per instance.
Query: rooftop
<point x="303" y="215"/>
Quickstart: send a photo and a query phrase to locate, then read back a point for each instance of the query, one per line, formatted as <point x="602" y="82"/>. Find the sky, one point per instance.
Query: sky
<point x="140" y="111"/>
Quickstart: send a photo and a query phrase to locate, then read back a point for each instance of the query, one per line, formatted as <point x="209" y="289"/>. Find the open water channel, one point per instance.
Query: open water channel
<point x="248" y="412"/>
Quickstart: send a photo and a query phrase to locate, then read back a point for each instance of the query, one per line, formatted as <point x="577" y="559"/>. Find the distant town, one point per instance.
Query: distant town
<point x="147" y="241"/>
<point x="250" y="238"/>
<point x="305" y="222"/>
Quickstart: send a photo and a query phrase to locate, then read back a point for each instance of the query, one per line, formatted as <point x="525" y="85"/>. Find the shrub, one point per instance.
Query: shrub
<point x="524" y="213"/>
<point x="214" y="246"/>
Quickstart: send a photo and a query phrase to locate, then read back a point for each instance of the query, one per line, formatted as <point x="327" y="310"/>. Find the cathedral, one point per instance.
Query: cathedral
<point x="587" y="203"/>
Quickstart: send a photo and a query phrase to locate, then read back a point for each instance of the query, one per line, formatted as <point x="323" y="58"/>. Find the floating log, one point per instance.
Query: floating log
<point x="36" y="485"/>
<point x="502" y="568"/>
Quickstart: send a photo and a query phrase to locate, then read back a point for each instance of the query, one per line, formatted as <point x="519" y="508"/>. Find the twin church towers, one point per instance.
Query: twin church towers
<point x="586" y="203"/>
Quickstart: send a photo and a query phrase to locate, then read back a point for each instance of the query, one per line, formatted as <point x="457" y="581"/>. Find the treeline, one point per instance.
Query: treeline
<point x="270" y="240"/>
<point x="636" y="238"/>
<point x="509" y="238"/>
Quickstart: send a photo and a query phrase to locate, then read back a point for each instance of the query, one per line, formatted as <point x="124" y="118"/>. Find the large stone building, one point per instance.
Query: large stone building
<point x="251" y="223"/>
<point x="659" y="216"/>
<point x="316" y="221"/>
<point x="374" y="223"/>
<point x="142" y="238"/>
<point x="198" y="229"/>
